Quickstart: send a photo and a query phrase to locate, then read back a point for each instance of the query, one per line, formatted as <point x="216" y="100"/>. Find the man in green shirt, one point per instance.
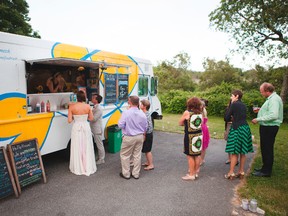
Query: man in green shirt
<point x="269" y="117"/>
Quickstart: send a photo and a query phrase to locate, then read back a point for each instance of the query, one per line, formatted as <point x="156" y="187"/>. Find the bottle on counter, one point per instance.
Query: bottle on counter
<point x="38" y="107"/>
<point x="48" y="106"/>
<point x="29" y="107"/>
<point x="42" y="106"/>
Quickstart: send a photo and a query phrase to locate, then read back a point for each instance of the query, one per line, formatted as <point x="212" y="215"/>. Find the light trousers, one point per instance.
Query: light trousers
<point x="100" y="146"/>
<point x="131" y="146"/>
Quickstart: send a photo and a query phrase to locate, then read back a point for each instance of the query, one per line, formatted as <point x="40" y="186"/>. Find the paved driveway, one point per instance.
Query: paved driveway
<point x="157" y="192"/>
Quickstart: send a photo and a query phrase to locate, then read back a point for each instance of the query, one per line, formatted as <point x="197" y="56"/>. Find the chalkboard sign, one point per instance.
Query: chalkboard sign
<point x="123" y="87"/>
<point x="26" y="162"/>
<point x="7" y="183"/>
<point x="110" y="88"/>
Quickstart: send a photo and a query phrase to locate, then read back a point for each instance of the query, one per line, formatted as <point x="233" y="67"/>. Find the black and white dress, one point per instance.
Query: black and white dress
<point x="193" y="134"/>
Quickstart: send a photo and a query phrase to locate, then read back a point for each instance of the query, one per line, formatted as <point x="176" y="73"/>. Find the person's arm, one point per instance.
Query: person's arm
<point x="204" y="113"/>
<point x="62" y="84"/>
<point x="70" y="116"/>
<point x="90" y="114"/>
<point x="228" y="114"/>
<point x="122" y="121"/>
<point x="184" y="117"/>
<point x="50" y="85"/>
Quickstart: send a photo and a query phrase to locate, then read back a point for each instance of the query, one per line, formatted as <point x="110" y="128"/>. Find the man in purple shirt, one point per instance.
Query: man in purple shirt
<point x="133" y="123"/>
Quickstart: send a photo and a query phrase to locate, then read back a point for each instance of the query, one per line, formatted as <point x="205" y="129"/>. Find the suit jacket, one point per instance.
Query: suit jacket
<point x="96" y="123"/>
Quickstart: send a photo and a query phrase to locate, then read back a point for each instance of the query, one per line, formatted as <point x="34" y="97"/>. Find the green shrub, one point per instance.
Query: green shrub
<point x="251" y="98"/>
<point x="174" y="101"/>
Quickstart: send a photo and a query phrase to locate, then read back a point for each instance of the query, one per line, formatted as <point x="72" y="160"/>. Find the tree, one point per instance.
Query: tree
<point x="174" y="75"/>
<point x="217" y="72"/>
<point x="14" y="18"/>
<point x="253" y="78"/>
<point x="171" y="78"/>
<point x="256" y="24"/>
<point x="181" y="61"/>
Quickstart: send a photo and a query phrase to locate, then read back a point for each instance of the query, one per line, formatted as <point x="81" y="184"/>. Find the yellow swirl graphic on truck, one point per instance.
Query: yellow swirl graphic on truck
<point x="16" y="128"/>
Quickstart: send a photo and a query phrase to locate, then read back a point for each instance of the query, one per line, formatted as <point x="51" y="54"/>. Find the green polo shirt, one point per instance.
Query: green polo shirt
<point x="271" y="112"/>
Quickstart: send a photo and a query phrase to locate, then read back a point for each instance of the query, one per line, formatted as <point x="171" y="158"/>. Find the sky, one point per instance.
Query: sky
<point x="156" y="30"/>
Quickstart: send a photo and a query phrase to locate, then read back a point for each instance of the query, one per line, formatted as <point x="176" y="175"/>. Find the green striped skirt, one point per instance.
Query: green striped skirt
<point x="239" y="140"/>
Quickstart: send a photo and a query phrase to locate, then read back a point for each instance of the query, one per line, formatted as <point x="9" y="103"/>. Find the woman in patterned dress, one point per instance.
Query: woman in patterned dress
<point x="192" y="119"/>
<point x="239" y="139"/>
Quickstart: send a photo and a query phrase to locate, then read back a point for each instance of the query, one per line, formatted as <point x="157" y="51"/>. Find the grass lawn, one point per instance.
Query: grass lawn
<point x="271" y="193"/>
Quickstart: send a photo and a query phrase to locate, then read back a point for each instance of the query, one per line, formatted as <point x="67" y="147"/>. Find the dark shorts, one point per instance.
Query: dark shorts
<point x="147" y="145"/>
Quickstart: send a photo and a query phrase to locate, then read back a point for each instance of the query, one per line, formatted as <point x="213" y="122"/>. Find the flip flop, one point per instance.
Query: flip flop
<point x="145" y="164"/>
<point x="148" y="168"/>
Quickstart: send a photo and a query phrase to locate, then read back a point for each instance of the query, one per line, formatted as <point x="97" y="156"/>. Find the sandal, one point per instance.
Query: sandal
<point x="240" y="175"/>
<point x="229" y="177"/>
<point x="147" y="168"/>
<point x="145" y="164"/>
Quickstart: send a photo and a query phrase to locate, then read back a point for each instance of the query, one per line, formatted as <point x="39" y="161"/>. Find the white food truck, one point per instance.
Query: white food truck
<point x="28" y="64"/>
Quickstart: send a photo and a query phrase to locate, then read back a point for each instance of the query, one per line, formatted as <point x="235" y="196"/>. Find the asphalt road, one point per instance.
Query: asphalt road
<point x="158" y="192"/>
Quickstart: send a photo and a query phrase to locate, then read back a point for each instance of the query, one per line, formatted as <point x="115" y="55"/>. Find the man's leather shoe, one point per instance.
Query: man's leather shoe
<point x="135" y="177"/>
<point x="121" y="175"/>
<point x="257" y="169"/>
<point x="261" y="174"/>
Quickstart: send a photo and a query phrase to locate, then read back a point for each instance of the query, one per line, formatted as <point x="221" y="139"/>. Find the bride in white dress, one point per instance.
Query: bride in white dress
<point x="82" y="157"/>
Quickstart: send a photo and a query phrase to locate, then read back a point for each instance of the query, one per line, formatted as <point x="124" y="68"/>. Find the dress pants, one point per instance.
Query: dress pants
<point x="267" y="140"/>
<point x="100" y="146"/>
<point x="131" y="146"/>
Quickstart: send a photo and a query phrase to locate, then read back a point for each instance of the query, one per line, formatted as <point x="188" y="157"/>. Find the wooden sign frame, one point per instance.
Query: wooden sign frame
<point x="11" y="177"/>
<point x="19" y="158"/>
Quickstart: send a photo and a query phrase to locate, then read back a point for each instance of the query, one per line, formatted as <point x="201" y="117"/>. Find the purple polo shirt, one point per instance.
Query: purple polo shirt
<point x="133" y="122"/>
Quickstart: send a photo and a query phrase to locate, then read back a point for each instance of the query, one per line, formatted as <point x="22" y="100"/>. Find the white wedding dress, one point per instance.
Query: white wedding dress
<point x="82" y="157"/>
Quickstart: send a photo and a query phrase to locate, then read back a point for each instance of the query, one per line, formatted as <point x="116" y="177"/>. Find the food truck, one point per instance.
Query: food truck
<point x="34" y="105"/>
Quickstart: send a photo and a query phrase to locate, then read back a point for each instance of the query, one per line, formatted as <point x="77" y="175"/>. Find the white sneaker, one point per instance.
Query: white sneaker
<point x="100" y="161"/>
<point x="188" y="178"/>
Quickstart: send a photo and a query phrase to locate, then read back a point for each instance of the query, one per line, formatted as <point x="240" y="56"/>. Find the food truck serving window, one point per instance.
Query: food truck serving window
<point x="61" y="75"/>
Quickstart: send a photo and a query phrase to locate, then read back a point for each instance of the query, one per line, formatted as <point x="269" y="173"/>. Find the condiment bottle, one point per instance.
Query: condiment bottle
<point x="42" y="106"/>
<point x="38" y="107"/>
<point x="48" y="106"/>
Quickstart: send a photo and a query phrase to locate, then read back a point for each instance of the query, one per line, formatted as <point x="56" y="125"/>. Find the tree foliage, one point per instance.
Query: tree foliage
<point x="260" y="24"/>
<point x="216" y="84"/>
<point x="217" y="72"/>
<point x="174" y="74"/>
<point x="14" y="18"/>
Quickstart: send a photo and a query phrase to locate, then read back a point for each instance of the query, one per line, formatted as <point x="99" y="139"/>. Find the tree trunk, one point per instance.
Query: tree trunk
<point x="284" y="89"/>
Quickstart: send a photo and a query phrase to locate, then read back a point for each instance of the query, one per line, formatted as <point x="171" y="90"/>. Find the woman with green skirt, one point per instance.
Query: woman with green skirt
<point x="239" y="139"/>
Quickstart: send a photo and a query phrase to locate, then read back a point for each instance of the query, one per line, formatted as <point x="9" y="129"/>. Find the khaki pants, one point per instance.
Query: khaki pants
<point x="131" y="146"/>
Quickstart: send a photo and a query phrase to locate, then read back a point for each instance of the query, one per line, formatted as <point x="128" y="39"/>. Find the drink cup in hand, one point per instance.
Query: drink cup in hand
<point x="256" y="109"/>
